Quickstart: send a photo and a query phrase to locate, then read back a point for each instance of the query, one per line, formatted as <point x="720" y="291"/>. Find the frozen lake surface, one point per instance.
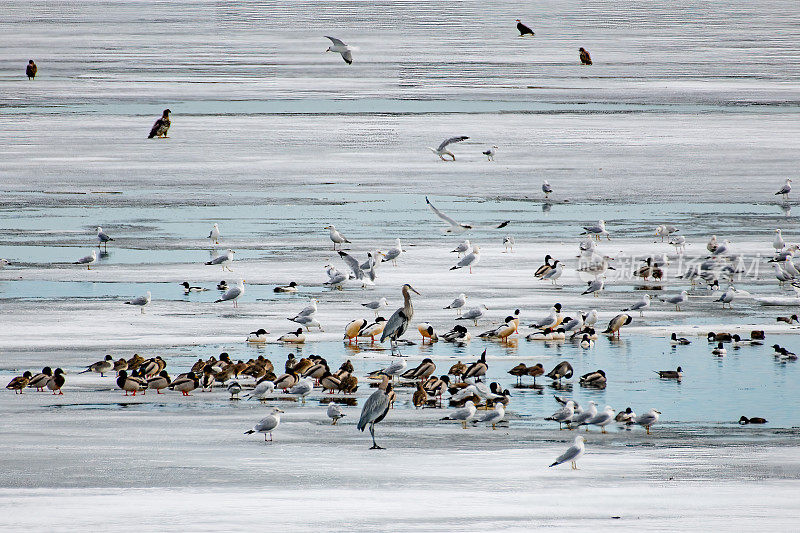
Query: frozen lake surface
<point x="688" y="116"/>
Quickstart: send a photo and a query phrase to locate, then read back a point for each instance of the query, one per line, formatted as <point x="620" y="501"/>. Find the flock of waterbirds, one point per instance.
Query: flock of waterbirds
<point x="472" y="400"/>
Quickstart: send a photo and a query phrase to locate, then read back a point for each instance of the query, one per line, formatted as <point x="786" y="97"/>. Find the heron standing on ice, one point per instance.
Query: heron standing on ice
<point x="398" y="322"/>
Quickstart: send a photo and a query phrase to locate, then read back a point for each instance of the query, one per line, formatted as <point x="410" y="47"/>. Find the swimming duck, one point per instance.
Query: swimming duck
<point x="296" y="337"/>
<point x="586" y="342"/>
<point x="719" y="350"/>
<point x="755" y="420"/>
<point x="670" y="374"/>
<point x="738" y="341"/>
<point x="593" y="379"/>
<point x="189" y="288"/>
<point x="291" y="287"/>
<point x="676" y="341"/>
<point x="222" y="285"/>
<point x="788" y="319"/>
<point x="257" y="336"/>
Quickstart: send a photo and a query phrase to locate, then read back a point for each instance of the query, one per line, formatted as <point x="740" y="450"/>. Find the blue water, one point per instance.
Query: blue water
<point x="714" y="391"/>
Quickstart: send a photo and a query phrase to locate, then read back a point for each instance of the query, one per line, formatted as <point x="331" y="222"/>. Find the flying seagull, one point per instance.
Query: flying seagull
<point x="340" y="47"/>
<point x="457" y="227"/>
<point x="443" y="151"/>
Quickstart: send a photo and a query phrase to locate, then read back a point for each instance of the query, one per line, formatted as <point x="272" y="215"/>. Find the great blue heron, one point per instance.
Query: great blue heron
<point x="375" y="409"/>
<point x="398" y="322"/>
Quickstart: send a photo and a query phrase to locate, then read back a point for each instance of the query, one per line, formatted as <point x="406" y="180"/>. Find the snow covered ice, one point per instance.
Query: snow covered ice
<point x="688" y="117"/>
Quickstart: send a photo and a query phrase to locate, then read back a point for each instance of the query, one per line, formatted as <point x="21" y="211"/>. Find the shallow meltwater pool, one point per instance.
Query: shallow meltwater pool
<point x="714" y="390"/>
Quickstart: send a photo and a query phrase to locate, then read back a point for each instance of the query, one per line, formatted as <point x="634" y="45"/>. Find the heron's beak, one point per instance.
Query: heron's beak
<point x="280" y="410"/>
<point x="413" y="289"/>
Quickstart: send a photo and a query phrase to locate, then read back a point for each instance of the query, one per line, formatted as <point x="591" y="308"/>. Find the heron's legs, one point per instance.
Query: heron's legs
<point x="372" y="432"/>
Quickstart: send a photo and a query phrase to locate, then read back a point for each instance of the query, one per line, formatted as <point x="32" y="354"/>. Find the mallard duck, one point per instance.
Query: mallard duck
<point x="19" y="382"/>
<point x="56" y="381"/>
<point x="159" y="382"/>
<point x="185" y="384"/>
<point x="130" y="383"/>
<point x="39" y="381"/>
<point x="420" y="397"/>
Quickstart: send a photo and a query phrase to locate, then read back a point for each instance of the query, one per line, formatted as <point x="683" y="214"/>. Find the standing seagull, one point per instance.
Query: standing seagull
<point x="586" y="59"/>
<point x="641" y="305"/>
<point x="336" y="237"/>
<point x="268" y="424"/>
<point x="340" y="47"/>
<point x="469" y="260"/>
<point x="443" y="151"/>
<point x="462" y="248"/>
<point x="785" y="190"/>
<point x="375" y="409"/>
<point x="490" y="153"/>
<point x="546" y="189"/>
<point x="30" y="70"/>
<point x="572" y="454"/>
<point x="224" y="261"/>
<point x="398" y="322"/>
<point x="88" y="260"/>
<point x="233" y="294"/>
<point x="677" y="300"/>
<point x="214" y="234"/>
<point x="523" y="29"/>
<point x="102" y="238"/>
<point x="458" y="303"/>
<point x="140" y="301"/>
<point x="161" y="126"/>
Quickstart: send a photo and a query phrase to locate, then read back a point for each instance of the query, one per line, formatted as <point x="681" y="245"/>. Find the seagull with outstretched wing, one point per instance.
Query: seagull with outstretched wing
<point x="341" y="48"/>
<point x="443" y="151"/>
<point x="457" y="227"/>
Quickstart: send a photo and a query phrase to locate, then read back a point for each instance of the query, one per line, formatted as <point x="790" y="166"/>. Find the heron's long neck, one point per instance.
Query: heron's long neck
<point x="408" y="309"/>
